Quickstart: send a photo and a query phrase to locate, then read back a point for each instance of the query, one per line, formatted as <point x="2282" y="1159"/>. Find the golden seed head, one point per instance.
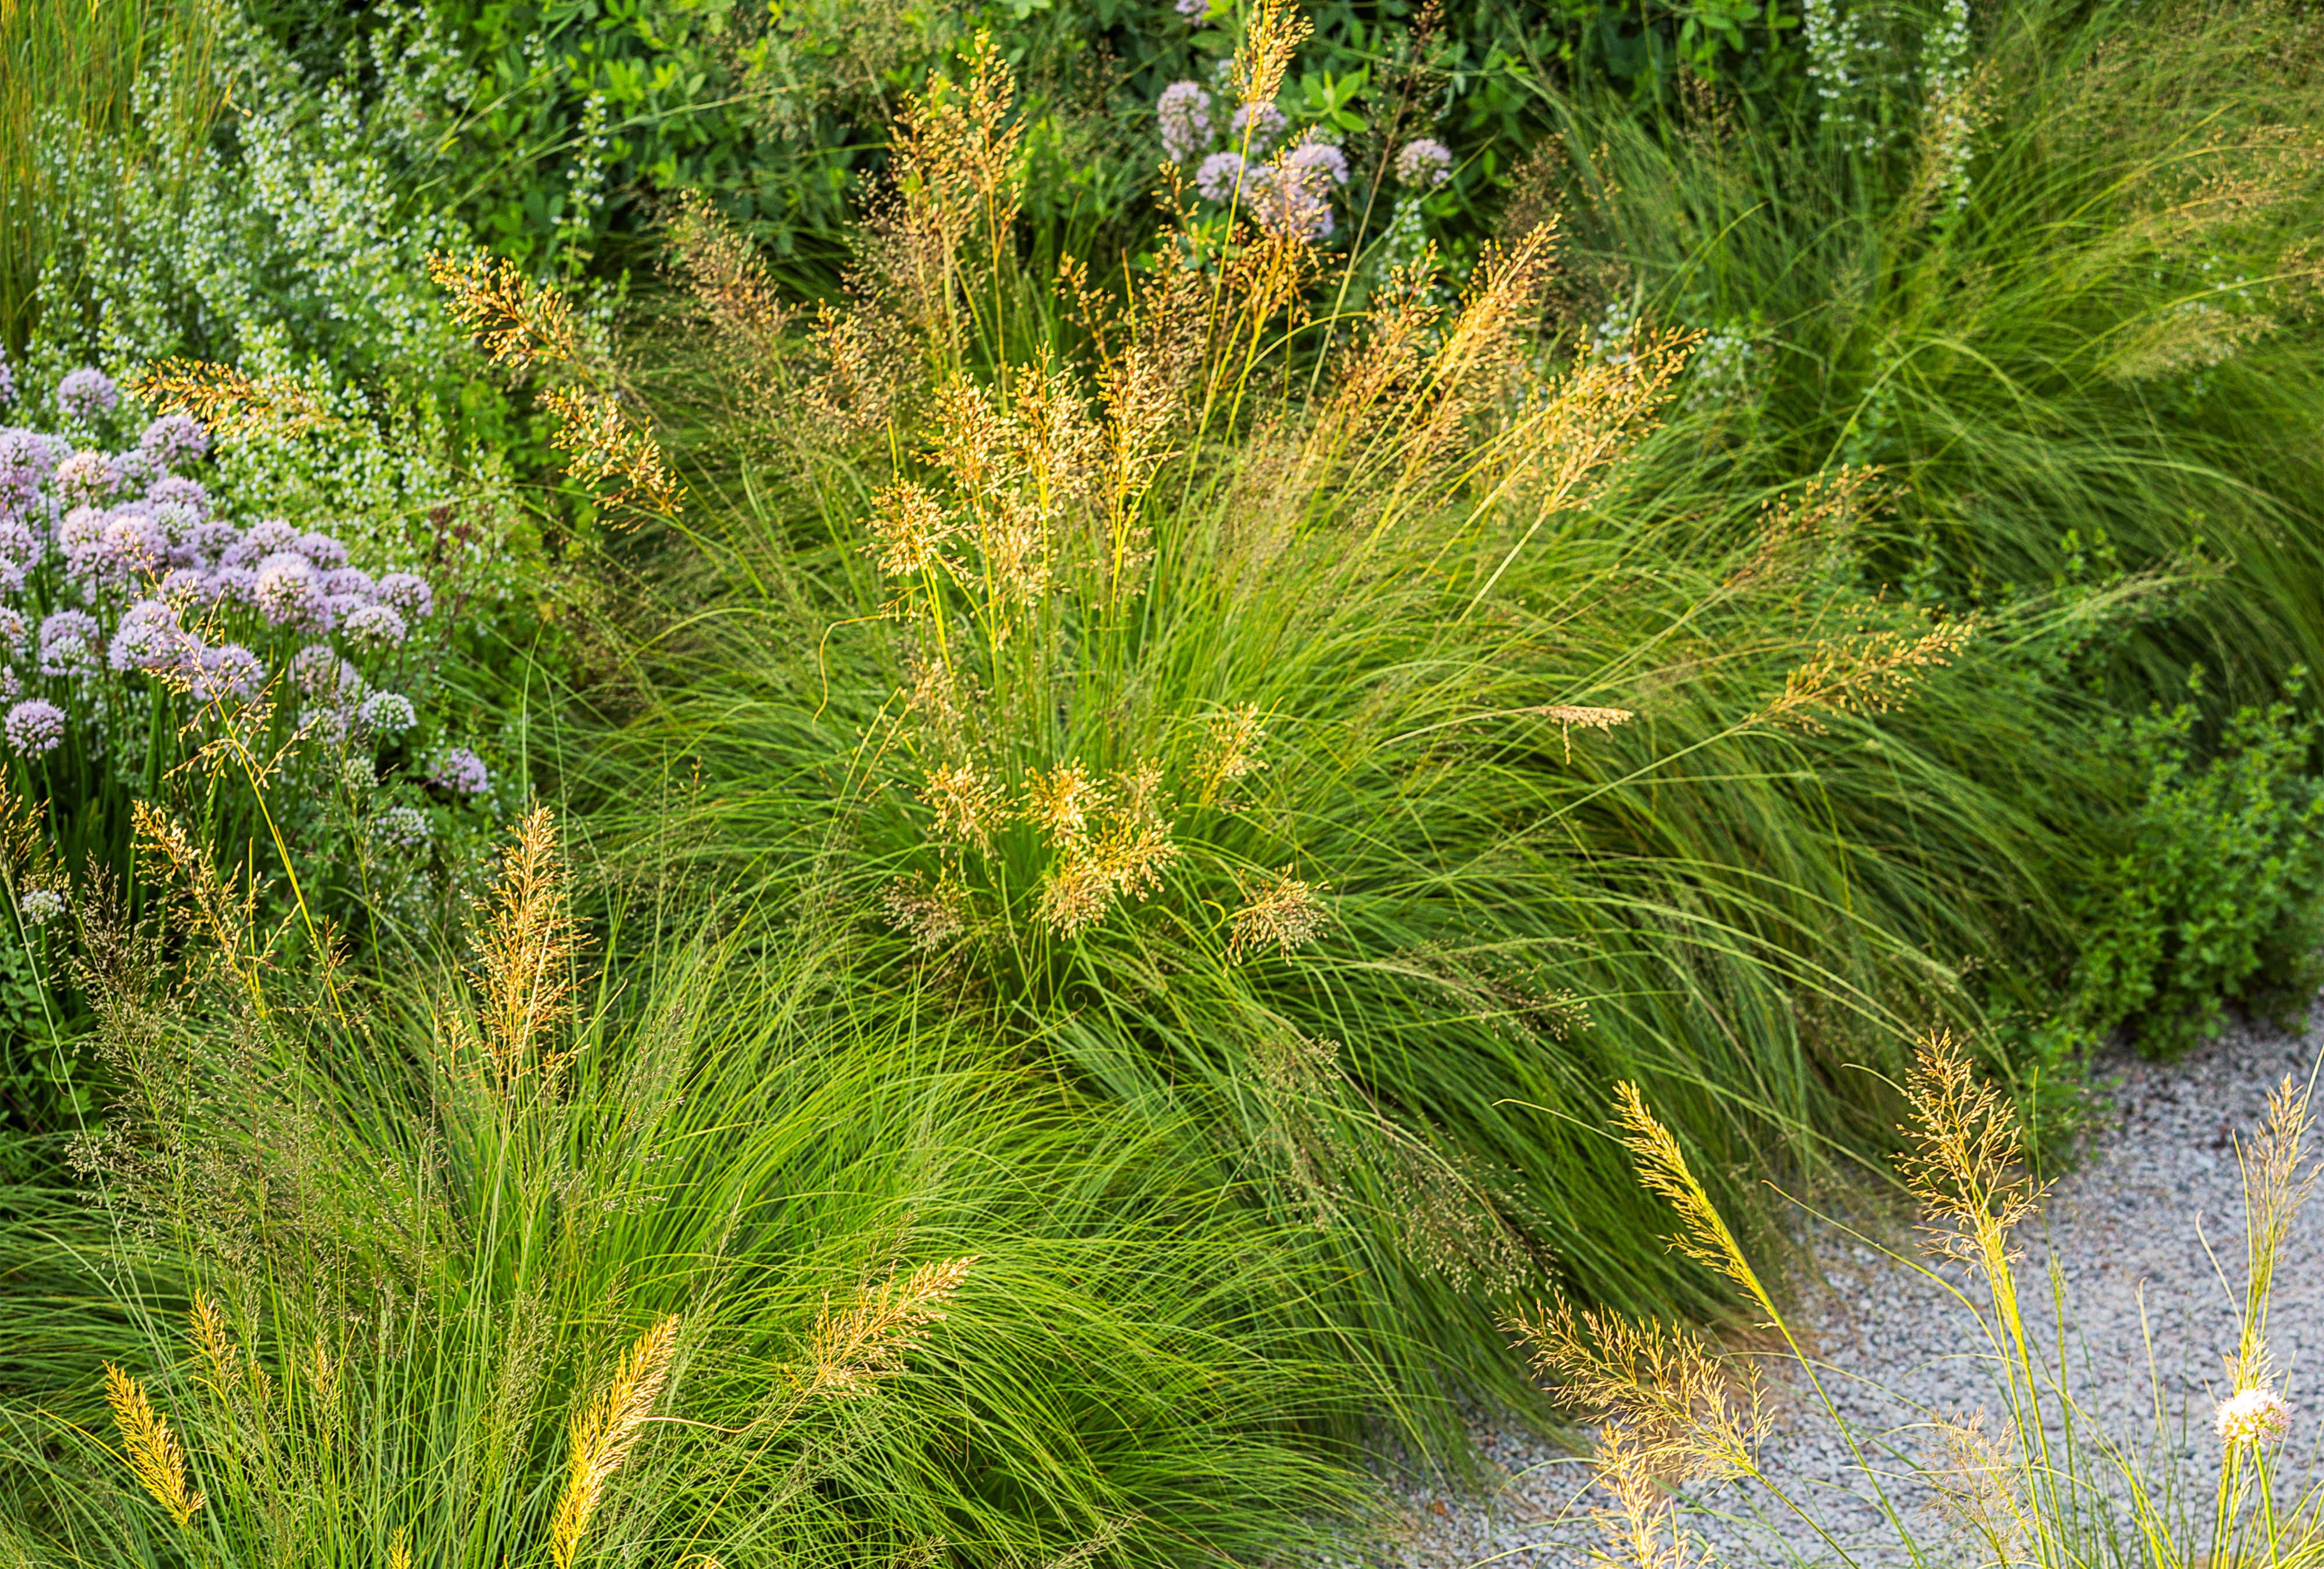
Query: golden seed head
<point x="1283" y="912"/>
<point x="153" y="1451"/>
<point x="605" y="1432"/>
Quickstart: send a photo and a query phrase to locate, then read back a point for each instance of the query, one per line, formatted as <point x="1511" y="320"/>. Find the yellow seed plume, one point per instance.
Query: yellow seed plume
<point x="1965" y="1161"/>
<point x="399" y="1549"/>
<point x="1283" y="912"/>
<point x="1276" y="30"/>
<point x="1683" y="1411"/>
<point x="526" y="943"/>
<point x="153" y="1454"/>
<point x="850" y="1350"/>
<point x="1663" y="1170"/>
<point x="228" y="400"/>
<point x="216" y="1342"/>
<point x="605" y="1431"/>
<point x="1569" y="716"/>
<point x="2277" y="1179"/>
<point x="514" y="319"/>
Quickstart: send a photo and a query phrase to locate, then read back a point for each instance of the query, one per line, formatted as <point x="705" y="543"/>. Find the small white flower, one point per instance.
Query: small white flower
<point x="42" y="905"/>
<point x="2252" y="1415"/>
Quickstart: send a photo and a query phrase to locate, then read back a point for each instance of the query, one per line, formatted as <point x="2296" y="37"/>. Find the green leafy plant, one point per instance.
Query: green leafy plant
<point x="2217" y="898"/>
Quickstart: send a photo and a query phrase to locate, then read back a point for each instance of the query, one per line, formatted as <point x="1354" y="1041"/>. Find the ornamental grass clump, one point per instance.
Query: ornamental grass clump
<point x="2047" y="1482"/>
<point x="490" y="1258"/>
<point x="1149" y="666"/>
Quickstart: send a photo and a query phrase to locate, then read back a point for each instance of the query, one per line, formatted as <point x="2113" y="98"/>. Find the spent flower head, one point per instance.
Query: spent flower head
<point x="2253" y="1416"/>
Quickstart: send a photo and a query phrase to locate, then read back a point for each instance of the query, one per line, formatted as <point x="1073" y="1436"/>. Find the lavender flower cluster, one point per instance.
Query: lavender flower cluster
<point x="117" y="563"/>
<point x="1285" y="193"/>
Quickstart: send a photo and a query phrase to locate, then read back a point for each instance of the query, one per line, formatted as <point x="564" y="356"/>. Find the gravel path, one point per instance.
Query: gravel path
<point x="2148" y="1239"/>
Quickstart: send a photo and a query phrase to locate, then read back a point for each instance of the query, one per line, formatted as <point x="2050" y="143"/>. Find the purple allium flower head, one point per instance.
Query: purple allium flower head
<point x="133" y="471"/>
<point x="287" y="592"/>
<point x="402" y="827"/>
<point x="27" y="461"/>
<point x="461" y="771"/>
<point x="20" y="551"/>
<point x="1184" y="110"/>
<point x="1296" y="205"/>
<point x="35" y="727"/>
<point x="135" y="546"/>
<point x="1425" y="162"/>
<point x="1317" y="164"/>
<point x="86" y="479"/>
<point x="80" y="541"/>
<point x="1265" y="122"/>
<point x="69" y="643"/>
<point x="387" y="713"/>
<point x="14" y="630"/>
<point x="326" y="722"/>
<point x="7" y="383"/>
<point x="210" y="539"/>
<point x="409" y="593"/>
<point x="173" y="441"/>
<point x="374" y="626"/>
<point x="187" y="588"/>
<point x="86" y="393"/>
<point x="149" y="637"/>
<point x="321" y="673"/>
<point x="1194" y="10"/>
<point x="323" y="550"/>
<point x="1219" y="174"/>
<point x="172" y="489"/>
<point x="352" y="580"/>
<point x="230" y="672"/>
<point x="235" y="585"/>
<point x="266" y="537"/>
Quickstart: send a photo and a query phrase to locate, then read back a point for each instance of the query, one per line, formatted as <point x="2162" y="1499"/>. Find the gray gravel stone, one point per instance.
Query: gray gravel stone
<point x="2146" y="1240"/>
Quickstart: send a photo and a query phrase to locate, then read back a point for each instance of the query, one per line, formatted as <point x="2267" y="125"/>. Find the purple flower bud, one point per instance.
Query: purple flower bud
<point x="35" y="727"/>
<point x="409" y="593"/>
<point x="352" y="580"/>
<point x="235" y="586"/>
<point x="323" y="550"/>
<point x="288" y="595"/>
<point x="1425" y="162"/>
<point x="270" y="535"/>
<point x="171" y="488"/>
<point x="374" y="626"/>
<point x="1219" y="175"/>
<point x="1317" y="164"/>
<point x="69" y="643"/>
<point x="1184" y="110"/>
<point x="20" y="551"/>
<point x="461" y="771"/>
<point x="209" y="539"/>
<point x="149" y="637"/>
<point x="230" y="673"/>
<point x="186" y="588"/>
<point x="86" y="393"/>
<point x="173" y="439"/>
<point x="1265" y="123"/>
<point x="320" y="673"/>
<point x="86" y="479"/>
